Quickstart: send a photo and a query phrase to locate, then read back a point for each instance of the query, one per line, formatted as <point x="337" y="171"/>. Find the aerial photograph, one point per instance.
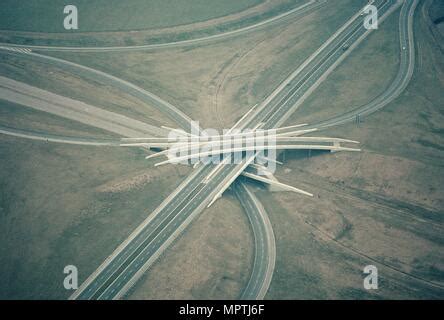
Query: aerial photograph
<point x="221" y="150"/>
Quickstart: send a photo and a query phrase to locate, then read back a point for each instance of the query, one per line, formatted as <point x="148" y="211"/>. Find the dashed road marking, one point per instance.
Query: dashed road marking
<point x="20" y="50"/>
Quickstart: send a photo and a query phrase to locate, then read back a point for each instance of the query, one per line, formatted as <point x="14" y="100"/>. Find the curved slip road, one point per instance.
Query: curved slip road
<point x="149" y="98"/>
<point x="264" y="243"/>
<point x="42" y="100"/>
<point x="400" y="82"/>
<point x="294" y="13"/>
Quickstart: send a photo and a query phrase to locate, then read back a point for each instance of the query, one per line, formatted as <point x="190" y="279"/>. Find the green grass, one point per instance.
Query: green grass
<point x="316" y="260"/>
<point x="55" y="211"/>
<point x="112" y="15"/>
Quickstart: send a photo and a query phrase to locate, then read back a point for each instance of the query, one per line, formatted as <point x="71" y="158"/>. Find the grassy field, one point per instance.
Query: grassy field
<point x="236" y="20"/>
<point x="112" y="15"/>
<point x="65" y="205"/>
<point x="323" y="245"/>
<point x="382" y="206"/>
<point x="223" y="80"/>
<point x="78" y="204"/>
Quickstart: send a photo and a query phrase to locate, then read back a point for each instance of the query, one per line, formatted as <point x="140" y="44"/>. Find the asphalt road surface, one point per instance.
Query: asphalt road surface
<point x="42" y="100"/>
<point x="264" y="243"/>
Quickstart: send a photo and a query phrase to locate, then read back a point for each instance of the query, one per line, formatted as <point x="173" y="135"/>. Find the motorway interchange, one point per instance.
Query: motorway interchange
<point x="207" y="182"/>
